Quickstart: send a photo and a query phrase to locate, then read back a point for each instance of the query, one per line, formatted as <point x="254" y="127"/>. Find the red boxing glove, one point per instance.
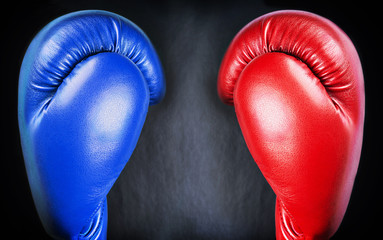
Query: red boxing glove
<point x="296" y="83"/>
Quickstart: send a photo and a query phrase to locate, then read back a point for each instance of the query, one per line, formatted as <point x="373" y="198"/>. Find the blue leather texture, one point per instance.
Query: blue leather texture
<point x="85" y="85"/>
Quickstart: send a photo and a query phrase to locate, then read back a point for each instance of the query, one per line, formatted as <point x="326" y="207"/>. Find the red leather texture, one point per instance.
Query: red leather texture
<point x="296" y="82"/>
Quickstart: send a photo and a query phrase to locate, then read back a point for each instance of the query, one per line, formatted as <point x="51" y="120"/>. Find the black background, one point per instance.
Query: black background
<point x="191" y="175"/>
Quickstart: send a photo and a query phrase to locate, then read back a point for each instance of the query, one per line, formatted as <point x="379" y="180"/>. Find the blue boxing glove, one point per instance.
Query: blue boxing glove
<point x="85" y="85"/>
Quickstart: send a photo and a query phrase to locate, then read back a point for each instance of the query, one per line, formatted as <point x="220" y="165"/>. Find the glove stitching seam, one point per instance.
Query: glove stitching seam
<point x="90" y="219"/>
<point x="300" y="234"/>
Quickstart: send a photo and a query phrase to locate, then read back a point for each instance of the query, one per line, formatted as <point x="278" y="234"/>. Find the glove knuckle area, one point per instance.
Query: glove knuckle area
<point x="71" y="39"/>
<point x="320" y="44"/>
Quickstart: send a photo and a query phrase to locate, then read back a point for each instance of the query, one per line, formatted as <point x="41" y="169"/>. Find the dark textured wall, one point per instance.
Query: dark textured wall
<point x="191" y="175"/>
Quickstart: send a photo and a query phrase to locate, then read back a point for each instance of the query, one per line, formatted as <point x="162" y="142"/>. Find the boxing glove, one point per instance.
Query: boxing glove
<point x="85" y="85"/>
<point x="296" y="83"/>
